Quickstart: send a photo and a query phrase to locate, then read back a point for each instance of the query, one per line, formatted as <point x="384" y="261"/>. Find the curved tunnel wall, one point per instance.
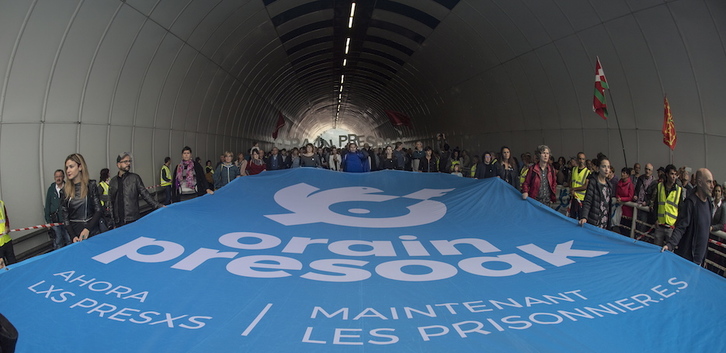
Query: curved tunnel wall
<point x="106" y="76"/>
<point x="539" y="87"/>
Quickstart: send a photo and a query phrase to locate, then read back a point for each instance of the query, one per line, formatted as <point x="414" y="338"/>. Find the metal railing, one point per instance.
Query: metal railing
<point x="715" y="258"/>
<point x="47" y="244"/>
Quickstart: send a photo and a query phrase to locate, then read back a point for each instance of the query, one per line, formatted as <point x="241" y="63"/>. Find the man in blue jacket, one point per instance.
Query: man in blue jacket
<point x="355" y="161"/>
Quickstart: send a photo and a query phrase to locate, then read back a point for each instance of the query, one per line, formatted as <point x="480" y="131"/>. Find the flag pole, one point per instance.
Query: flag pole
<point x="620" y="131"/>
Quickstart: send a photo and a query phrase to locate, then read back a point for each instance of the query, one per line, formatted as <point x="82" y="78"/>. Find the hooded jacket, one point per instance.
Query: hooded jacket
<point x="225" y="174"/>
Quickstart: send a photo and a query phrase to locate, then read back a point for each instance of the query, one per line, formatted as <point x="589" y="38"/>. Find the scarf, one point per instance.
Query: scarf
<point x="185" y="174"/>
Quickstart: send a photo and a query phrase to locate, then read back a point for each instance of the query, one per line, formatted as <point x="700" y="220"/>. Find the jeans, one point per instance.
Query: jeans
<point x="7" y="253"/>
<point x="61" y="237"/>
<point x="575" y="208"/>
<point x="662" y="235"/>
<point x="167" y="195"/>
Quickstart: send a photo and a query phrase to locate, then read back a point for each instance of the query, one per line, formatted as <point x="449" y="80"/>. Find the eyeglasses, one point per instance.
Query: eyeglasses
<point x="128" y="161"/>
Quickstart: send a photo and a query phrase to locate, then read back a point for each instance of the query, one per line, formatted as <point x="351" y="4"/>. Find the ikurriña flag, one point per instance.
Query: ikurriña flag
<point x="280" y="124"/>
<point x="399" y="119"/>
<point x="599" y="104"/>
<point x="669" y="127"/>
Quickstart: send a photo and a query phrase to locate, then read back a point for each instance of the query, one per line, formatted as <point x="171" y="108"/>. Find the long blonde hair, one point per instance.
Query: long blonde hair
<point x="69" y="188"/>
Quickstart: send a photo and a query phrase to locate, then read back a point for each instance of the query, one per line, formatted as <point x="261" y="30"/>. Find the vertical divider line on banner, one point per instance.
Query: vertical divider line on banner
<point x="257" y="320"/>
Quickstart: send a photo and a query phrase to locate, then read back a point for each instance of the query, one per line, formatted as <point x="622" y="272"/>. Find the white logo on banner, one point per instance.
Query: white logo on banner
<point x="310" y="206"/>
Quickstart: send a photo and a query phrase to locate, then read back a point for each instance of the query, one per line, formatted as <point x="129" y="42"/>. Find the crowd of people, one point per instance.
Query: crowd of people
<point x="684" y="206"/>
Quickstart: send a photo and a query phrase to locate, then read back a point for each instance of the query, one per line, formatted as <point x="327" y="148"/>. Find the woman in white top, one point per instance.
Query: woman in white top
<point x="334" y="160"/>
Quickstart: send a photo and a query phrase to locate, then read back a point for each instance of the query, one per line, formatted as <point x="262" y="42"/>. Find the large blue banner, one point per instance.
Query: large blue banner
<point x="310" y="260"/>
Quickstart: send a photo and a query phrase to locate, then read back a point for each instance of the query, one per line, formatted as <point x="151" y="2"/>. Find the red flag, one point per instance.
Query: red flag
<point x="280" y="123"/>
<point x="399" y="119"/>
<point x="599" y="105"/>
<point x="669" y="127"/>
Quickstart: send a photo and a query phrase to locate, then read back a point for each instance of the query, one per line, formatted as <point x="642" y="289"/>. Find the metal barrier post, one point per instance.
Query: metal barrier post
<point x="634" y="223"/>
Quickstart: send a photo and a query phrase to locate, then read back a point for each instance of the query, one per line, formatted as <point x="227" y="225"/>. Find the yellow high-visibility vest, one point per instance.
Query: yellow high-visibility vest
<point x="165" y="169"/>
<point x="578" y="180"/>
<point x="668" y="205"/>
<point x="105" y="187"/>
<point x="523" y="174"/>
<point x="4" y="238"/>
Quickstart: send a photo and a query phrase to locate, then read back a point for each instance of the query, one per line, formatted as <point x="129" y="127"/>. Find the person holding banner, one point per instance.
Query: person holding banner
<point x="689" y="239"/>
<point x="189" y="178"/>
<point x="487" y="168"/>
<point x="541" y="180"/>
<point x="309" y="158"/>
<point x="597" y="205"/>
<point x="256" y="165"/>
<point x="428" y="164"/>
<point x="355" y="161"/>
<point x="389" y="161"/>
<point x="81" y="208"/>
<point x="274" y="160"/>
<point x="226" y="172"/>
<point x="125" y="188"/>
<point x="334" y="160"/>
<point x="7" y="253"/>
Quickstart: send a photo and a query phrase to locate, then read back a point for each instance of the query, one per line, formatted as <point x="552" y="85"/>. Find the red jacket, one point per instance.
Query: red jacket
<point x="533" y="181"/>
<point x="254" y="169"/>
<point x="625" y="192"/>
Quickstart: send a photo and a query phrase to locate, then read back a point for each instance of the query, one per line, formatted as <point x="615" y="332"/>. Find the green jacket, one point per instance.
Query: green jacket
<point x="53" y="204"/>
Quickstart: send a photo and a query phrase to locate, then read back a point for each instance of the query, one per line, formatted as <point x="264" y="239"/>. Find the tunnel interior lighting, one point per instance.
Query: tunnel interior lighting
<point x="345" y="61"/>
<point x="352" y="14"/>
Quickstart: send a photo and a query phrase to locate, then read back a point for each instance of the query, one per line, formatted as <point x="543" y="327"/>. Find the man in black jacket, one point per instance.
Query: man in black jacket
<point x="275" y="161"/>
<point x="693" y="226"/>
<point x="124" y="191"/>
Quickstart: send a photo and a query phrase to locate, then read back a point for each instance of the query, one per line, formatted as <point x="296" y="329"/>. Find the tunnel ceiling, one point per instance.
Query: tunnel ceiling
<point x="345" y="58"/>
<point x="322" y="64"/>
<point x="480" y="70"/>
<point x="472" y="67"/>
